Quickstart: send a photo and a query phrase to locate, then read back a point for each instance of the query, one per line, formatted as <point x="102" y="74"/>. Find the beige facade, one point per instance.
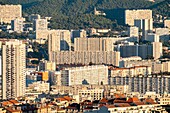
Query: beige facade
<point x="167" y="23"/>
<point x="85" y="57"/>
<point x="10" y="12"/>
<point x="166" y="66"/>
<point x="90" y="94"/>
<point x="58" y="40"/>
<point x="132" y="71"/>
<point x="42" y="34"/>
<point x="156" y="66"/>
<point x="109" y="90"/>
<point x="97" y="74"/>
<point x="13" y="69"/>
<point x="165" y="100"/>
<point x="45" y="65"/>
<point x="55" y="78"/>
<point x="17" y="25"/>
<point x="133" y="31"/>
<point x="131" y="15"/>
<point x="39" y="86"/>
<point x="40" y="24"/>
<point x="157" y="49"/>
<point x="94" y="44"/>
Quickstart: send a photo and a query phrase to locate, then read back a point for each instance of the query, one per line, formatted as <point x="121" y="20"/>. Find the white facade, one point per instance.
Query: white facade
<point x="144" y="83"/>
<point x="97" y="74"/>
<point x="13" y="69"/>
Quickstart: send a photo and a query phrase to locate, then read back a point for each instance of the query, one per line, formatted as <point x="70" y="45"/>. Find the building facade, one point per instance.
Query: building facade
<point x="58" y="40"/>
<point x="17" y="25"/>
<point x="167" y="23"/>
<point x="40" y="24"/>
<point x="153" y="50"/>
<point x="10" y="12"/>
<point x="131" y="15"/>
<point x="85" y="57"/>
<point x="13" y="69"/>
<point x="144" y="83"/>
<point x="97" y="74"/>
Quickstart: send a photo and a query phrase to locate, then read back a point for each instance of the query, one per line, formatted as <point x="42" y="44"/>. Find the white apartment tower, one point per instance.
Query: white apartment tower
<point x="13" y="69"/>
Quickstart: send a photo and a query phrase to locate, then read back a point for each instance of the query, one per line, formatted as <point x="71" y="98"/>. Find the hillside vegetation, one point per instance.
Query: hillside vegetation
<point x="77" y="14"/>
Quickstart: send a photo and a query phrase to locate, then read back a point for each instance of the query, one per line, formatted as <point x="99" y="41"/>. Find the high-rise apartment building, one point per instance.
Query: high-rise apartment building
<point x="133" y="31"/>
<point x="10" y="12"/>
<point x="144" y="83"/>
<point x="94" y="44"/>
<point x="144" y="51"/>
<point x="58" y="40"/>
<point x="40" y="24"/>
<point x="13" y="69"/>
<point x="97" y="74"/>
<point x="131" y="15"/>
<point x="86" y="57"/>
<point x="77" y="34"/>
<point x="145" y="25"/>
<point x="17" y="25"/>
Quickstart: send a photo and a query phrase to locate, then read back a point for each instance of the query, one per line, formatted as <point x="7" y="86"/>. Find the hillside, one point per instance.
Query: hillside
<point x="76" y="14"/>
<point x="162" y="8"/>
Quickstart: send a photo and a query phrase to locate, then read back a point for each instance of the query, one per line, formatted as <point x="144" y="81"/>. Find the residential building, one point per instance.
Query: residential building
<point x="94" y="44"/>
<point x="40" y="24"/>
<point x="144" y="25"/>
<point x="33" y="17"/>
<point x="42" y="76"/>
<point x="167" y="23"/>
<point x="55" y="78"/>
<point x="78" y="34"/>
<point x="13" y="69"/>
<point x="10" y="12"/>
<point x="166" y="66"/>
<point x="45" y="65"/>
<point x="131" y="71"/>
<point x="42" y="34"/>
<point x="90" y="94"/>
<point x="163" y="33"/>
<point x="133" y="31"/>
<point x="58" y="40"/>
<point x="17" y="25"/>
<point x="156" y="66"/>
<point x="39" y="86"/>
<point x="86" y="57"/>
<point x="97" y="74"/>
<point x="126" y="108"/>
<point x="107" y="90"/>
<point x="131" y="15"/>
<point x="152" y="37"/>
<point x="144" y="83"/>
<point x="165" y="100"/>
<point x="144" y="51"/>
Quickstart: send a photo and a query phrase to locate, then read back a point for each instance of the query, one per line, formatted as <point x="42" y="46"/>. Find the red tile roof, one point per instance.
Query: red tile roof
<point x="104" y="100"/>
